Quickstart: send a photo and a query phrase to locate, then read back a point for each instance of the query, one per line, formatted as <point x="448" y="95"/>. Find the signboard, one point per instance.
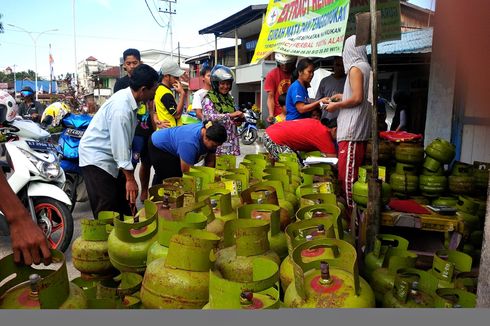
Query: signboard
<point x="306" y="28"/>
<point x="390" y="18"/>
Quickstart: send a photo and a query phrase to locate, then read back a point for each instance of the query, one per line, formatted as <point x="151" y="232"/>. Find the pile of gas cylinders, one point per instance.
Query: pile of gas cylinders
<point x="430" y="176"/>
<point x="263" y="235"/>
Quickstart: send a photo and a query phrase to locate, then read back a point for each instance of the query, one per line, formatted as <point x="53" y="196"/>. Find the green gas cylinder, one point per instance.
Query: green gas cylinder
<point x="383" y="278"/>
<point x="90" y="251"/>
<point x="301" y="232"/>
<point x="262" y="193"/>
<point x="441" y="150"/>
<point x="169" y="227"/>
<point x="328" y="283"/>
<point x="130" y="239"/>
<point x="282" y="185"/>
<point x="225" y="162"/>
<point x="258" y="291"/>
<point x="235" y="182"/>
<point x="467" y="281"/>
<point x="481" y="172"/>
<point x="383" y="243"/>
<point x="181" y="280"/>
<point x="411" y="153"/>
<point x="454" y="298"/>
<point x="244" y="240"/>
<point x="271" y="213"/>
<point x="447" y="264"/>
<point x="166" y="197"/>
<point x="118" y="292"/>
<point x="220" y="202"/>
<point x="25" y="287"/>
<point x="327" y="211"/>
<point x="413" y="288"/>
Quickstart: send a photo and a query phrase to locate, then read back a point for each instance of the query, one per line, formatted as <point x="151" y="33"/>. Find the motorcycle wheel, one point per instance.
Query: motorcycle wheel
<point x="70" y="188"/>
<point x="249" y="136"/>
<point x="56" y="221"/>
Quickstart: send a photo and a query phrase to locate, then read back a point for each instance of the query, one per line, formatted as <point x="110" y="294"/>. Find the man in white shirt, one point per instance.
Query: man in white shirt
<point x="199" y="95"/>
<point x="105" y="148"/>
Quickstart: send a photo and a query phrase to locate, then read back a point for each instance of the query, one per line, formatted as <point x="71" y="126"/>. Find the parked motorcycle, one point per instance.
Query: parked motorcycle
<point x="74" y="126"/>
<point x="248" y="129"/>
<point x="37" y="180"/>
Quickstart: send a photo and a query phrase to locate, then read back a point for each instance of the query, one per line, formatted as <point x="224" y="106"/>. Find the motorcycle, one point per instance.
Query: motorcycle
<point x="74" y="127"/>
<point x="21" y="128"/>
<point x="248" y="129"/>
<point x="37" y="179"/>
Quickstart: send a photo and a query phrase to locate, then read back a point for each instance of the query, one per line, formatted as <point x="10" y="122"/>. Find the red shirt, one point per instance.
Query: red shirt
<point x="302" y="135"/>
<point x="277" y="81"/>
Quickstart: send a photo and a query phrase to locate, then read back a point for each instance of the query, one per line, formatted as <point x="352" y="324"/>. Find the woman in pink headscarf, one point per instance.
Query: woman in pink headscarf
<point x="354" y="119"/>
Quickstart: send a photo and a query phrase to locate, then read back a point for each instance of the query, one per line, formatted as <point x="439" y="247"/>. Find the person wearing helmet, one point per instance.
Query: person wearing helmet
<point x="277" y="82"/>
<point x="168" y="111"/>
<point x="54" y="113"/>
<point x="30" y="108"/>
<point x="29" y="243"/>
<point x="218" y="104"/>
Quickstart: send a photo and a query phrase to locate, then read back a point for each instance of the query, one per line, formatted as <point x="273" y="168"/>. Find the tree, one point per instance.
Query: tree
<point x="1" y="24"/>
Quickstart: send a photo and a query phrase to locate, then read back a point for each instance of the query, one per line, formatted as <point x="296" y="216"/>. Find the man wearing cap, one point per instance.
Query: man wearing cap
<point x="168" y="111"/>
<point x="30" y="108"/>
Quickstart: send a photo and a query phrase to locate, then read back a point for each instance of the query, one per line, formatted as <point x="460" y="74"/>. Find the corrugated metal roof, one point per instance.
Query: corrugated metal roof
<point x="418" y="41"/>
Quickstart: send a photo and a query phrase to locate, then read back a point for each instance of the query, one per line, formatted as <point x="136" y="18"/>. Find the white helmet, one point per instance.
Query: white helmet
<point x="8" y="107"/>
<point x="284" y="58"/>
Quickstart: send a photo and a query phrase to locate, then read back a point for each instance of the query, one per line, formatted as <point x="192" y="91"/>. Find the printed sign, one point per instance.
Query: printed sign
<point x="307" y="28"/>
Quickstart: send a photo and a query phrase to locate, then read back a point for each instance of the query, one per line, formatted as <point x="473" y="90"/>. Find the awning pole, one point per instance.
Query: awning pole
<point x="215" y="49"/>
<point x="236" y="48"/>
<point x="374" y="190"/>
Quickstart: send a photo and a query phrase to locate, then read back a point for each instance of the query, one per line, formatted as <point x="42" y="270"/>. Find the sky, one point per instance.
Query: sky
<point x="105" y="28"/>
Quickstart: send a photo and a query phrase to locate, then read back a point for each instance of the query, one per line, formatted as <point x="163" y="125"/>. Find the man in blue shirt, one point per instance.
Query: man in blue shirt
<point x="105" y="148"/>
<point x="174" y="150"/>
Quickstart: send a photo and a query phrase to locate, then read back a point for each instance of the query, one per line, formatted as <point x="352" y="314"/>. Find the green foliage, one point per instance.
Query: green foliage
<point x="1" y="24"/>
<point x="19" y="75"/>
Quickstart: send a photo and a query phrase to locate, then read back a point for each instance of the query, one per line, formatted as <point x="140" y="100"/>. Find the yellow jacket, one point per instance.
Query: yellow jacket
<point x="164" y="113"/>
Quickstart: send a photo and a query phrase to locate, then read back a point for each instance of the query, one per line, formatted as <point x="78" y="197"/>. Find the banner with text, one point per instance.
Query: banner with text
<point x="306" y="28"/>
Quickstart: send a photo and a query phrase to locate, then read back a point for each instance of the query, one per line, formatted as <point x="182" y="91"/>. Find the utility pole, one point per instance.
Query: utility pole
<point x="170" y="12"/>
<point x="15" y="82"/>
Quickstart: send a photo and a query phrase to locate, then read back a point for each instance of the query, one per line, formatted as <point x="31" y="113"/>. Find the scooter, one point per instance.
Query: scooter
<point x="248" y="130"/>
<point x="37" y="180"/>
<point x="74" y="127"/>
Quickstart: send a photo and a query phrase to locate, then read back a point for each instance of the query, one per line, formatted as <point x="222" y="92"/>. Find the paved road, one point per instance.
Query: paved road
<point x="82" y="210"/>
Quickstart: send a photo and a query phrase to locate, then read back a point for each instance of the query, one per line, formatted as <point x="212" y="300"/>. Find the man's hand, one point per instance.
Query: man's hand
<point x="178" y="87"/>
<point x="270" y="118"/>
<point x="162" y="124"/>
<point x="333" y="106"/>
<point x="131" y="190"/>
<point x="29" y="243"/>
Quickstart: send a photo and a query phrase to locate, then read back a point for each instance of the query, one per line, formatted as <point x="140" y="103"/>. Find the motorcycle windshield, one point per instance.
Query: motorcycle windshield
<point x="77" y="121"/>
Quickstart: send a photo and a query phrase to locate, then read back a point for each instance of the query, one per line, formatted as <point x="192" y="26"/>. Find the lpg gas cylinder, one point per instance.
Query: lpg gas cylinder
<point x="383" y="278"/>
<point x="244" y="240"/>
<point x="300" y="232"/>
<point x="180" y="281"/>
<point x="326" y="211"/>
<point x="220" y="200"/>
<point x="383" y="243"/>
<point x="119" y="292"/>
<point x="258" y="291"/>
<point x="166" y="197"/>
<point x="130" y="239"/>
<point x="441" y="150"/>
<point x="328" y="283"/>
<point x="268" y="212"/>
<point x="454" y="298"/>
<point x="447" y="264"/>
<point x="90" y="251"/>
<point x="267" y="194"/>
<point x="169" y="227"/>
<point x="25" y="287"/>
<point x="413" y="288"/>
